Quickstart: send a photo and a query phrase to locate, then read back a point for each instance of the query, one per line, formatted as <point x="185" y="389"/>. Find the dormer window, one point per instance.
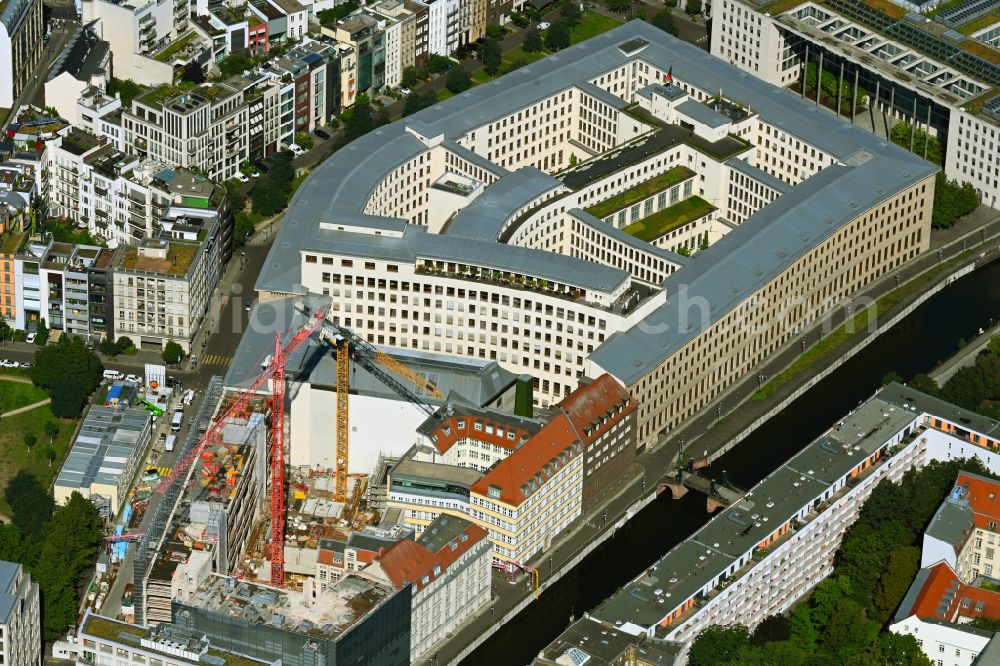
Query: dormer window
<point x="494" y="492"/>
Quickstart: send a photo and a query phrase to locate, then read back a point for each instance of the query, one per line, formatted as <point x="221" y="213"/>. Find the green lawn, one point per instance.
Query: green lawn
<point x="165" y="54"/>
<point x="592" y="24"/>
<point x="444" y="94"/>
<point x="480" y="76"/>
<point x="641" y="191"/>
<point x="519" y="56"/>
<point x="14" y="455"/>
<point x="16" y="372"/>
<point x="16" y="394"/>
<point x="669" y="219"/>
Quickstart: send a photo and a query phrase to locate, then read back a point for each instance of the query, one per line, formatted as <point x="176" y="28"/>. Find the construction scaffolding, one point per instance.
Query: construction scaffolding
<point x="149" y="545"/>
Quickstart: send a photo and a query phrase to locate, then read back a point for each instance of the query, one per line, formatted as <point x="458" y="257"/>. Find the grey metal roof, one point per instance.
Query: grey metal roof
<point x="952" y="523"/>
<point x="107" y="438"/>
<point x="667" y="92"/>
<point x="785" y="494"/>
<point x="990" y="654"/>
<point x="442" y="530"/>
<point x="8" y="585"/>
<point x="911" y="594"/>
<point x="759" y="175"/>
<point x="751" y="255"/>
<point x="702" y="114"/>
<point x="763" y="246"/>
<point x="409" y="468"/>
<point x="484" y="217"/>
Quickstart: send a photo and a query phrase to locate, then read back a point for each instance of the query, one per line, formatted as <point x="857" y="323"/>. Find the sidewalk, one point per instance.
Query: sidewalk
<point x="26" y="408"/>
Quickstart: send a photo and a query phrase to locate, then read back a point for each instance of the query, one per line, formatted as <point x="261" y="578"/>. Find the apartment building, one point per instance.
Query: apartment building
<point x="937" y="74"/>
<point x="137" y="31"/>
<point x="447" y="570"/>
<point x="21" y="618"/>
<point x="100" y="114"/>
<point x="314" y="71"/>
<point x="937" y="611"/>
<point x="443" y="26"/>
<point x="474" y="213"/>
<point x="366" y="36"/>
<point x="285" y="19"/>
<point x="162" y="287"/>
<point x="21" y="30"/>
<point x="102" y="641"/>
<point x="339" y="555"/>
<point x="204" y="128"/>
<point x="400" y="38"/>
<point x="963" y="532"/>
<point x="761" y="554"/>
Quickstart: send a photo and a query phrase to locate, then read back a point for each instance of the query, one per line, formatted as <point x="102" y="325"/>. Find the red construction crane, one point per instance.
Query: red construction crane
<point x="274" y="369"/>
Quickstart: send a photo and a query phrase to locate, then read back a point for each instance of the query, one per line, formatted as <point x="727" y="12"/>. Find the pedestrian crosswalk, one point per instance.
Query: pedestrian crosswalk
<point x="216" y="359"/>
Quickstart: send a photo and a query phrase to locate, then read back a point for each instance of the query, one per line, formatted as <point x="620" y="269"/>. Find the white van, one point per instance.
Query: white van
<point x="171" y="441"/>
<point x="175" y="424"/>
<point x="112" y="375"/>
<point x="188" y="397"/>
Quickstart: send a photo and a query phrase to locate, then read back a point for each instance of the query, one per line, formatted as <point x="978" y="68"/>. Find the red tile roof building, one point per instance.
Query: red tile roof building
<point x="449" y="570"/>
<point x="603" y="415"/>
<point x="964" y="530"/>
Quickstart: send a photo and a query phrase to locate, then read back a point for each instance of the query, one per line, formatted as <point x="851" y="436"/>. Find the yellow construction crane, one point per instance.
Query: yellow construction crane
<point x="350" y="347"/>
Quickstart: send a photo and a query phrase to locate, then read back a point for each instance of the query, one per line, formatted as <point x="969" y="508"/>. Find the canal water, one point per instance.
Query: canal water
<point x="929" y="335"/>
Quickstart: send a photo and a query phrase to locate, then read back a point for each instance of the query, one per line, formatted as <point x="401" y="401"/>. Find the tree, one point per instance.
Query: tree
<point x="42" y="333"/>
<point x="107" y="347"/>
<point x="692" y="7"/>
<point x="235" y="64"/>
<point x="126" y="89"/>
<point x="409" y="79"/>
<point x="925" y="384"/>
<point x="15" y="547"/>
<point x="952" y="200"/>
<point x="124" y="344"/>
<point x="772" y="628"/>
<point x="49" y="454"/>
<point x="718" y="644"/>
<point x="415" y="102"/>
<point x="172" y="352"/>
<point x="51" y="430"/>
<point x="29" y="440"/>
<point x="890" y="377"/>
<point x="243" y="227"/>
<point x="557" y="37"/>
<point x="458" y="80"/>
<point x="987" y="623"/>
<point x="193" y="72"/>
<point x="669" y="3"/>
<point x="618" y="6"/>
<point x="30" y="504"/>
<point x="69" y="372"/>
<point x="495" y="32"/>
<point x="965" y="388"/>
<point x="72" y="539"/>
<point x="532" y="41"/>
<point x="664" y="20"/>
<point x="519" y="19"/>
<point x="491" y="56"/>
<point x="904" y="562"/>
<point x="570" y="14"/>
<point x="329" y="17"/>
<point x="902" y="133"/>
<point x="438" y="64"/>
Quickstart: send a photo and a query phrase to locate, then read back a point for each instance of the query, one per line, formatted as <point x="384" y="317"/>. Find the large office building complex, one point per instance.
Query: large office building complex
<point x="546" y="221"/>
<point x="937" y="75"/>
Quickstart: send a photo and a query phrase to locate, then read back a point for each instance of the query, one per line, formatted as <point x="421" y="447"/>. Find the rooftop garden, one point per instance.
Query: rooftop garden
<point x="174" y="47"/>
<point x="987" y="53"/>
<point x="179" y="258"/>
<point x="978" y="24"/>
<point x="668" y="219"/>
<point x="155" y="96"/>
<point x="641" y="191"/>
<point x="11" y="243"/>
<point x="721" y="150"/>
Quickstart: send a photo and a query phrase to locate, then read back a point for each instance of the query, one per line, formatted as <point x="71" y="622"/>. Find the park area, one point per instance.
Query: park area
<point x="49" y="436"/>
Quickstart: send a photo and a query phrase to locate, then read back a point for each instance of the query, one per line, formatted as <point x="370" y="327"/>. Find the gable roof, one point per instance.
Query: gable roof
<point x="588" y="404"/>
<point x="937" y="593"/>
<point x="511" y="473"/>
<point x="984" y="498"/>
<point x="443" y="541"/>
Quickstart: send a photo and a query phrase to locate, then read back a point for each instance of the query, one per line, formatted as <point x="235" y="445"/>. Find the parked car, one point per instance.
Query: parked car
<point x="194" y="360"/>
<point x="405" y="91"/>
<point x="322" y="134"/>
<point x="243" y="178"/>
<point x="544" y="25"/>
<point x="30" y="337"/>
<point x="5" y="363"/>
<point x="296" y="149"/>
<point x="255" y="174"/>
<point x="26" y="365"/>
<point x="133" y="378"/>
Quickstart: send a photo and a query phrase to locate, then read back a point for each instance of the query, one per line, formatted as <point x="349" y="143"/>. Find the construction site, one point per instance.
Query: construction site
<point x="232" y="508"/>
